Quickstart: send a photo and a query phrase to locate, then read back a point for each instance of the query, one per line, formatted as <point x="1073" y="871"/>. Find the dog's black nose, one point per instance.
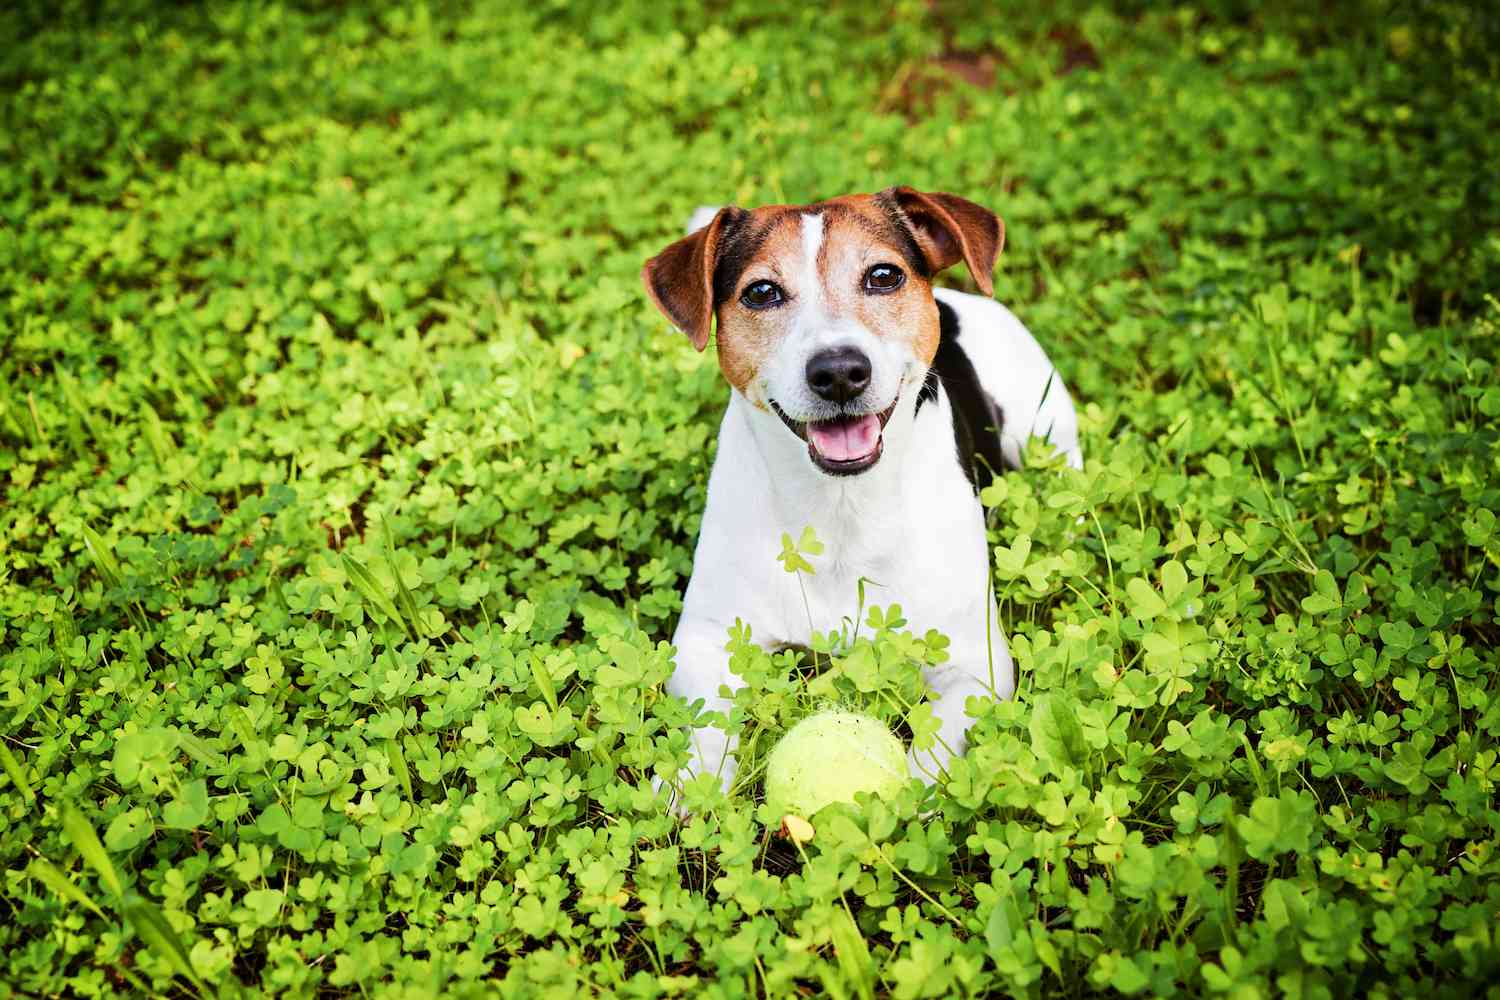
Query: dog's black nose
<point x="838" y="374"/>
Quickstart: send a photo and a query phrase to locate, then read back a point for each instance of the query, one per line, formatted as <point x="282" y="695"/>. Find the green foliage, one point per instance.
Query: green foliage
<point x="350" y="487"/>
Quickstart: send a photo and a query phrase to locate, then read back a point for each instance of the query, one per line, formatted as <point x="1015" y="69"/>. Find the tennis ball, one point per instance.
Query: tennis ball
<point x="830" y="756"/>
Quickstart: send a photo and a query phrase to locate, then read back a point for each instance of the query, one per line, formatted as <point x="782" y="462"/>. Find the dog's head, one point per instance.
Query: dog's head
<point x="825" y="311"/>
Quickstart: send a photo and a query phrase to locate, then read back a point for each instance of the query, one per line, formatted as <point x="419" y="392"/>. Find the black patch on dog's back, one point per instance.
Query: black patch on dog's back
<point x="976" y="419"/>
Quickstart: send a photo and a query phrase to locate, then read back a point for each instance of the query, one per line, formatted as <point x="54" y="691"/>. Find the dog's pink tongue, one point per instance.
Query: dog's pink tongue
<point x="845" y="440"/>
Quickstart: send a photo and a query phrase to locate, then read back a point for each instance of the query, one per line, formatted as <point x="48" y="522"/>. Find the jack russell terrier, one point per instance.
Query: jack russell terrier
<point x="866" y="404"/>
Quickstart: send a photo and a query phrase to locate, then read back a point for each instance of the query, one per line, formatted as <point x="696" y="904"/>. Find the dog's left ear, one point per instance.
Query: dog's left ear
<point x="680" y="279"/>
<point x="949" y="228"/>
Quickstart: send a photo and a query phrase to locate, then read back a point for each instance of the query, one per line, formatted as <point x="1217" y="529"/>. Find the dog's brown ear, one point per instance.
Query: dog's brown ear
<point x="680" y="279"/>
<point x="949" y="228"/>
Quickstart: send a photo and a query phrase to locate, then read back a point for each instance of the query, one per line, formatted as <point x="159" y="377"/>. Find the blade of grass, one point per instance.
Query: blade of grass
<point x="17" y="775"/>
<point x="157" y="436"/>
<point x="101" y="554"/>
<point x="190" y="358"/>
<point x="64" y="631"/>
<point x="81" y="832"/>
<point x="1257" y="774"/>
<point x="405" y="601"/>
<point x="853" y="953"/>
<point x="152" y="928"/>
<point x="52" y="877"/>
<point x="36" y="419"/>
<point x="543" y="681"/>
<point x="200" y="750"/>
<point x="370" y="589"/>
<point x="73" y="396"/>
<point x="832" y="982"/>
<point x="11" y="414"/>
<point x="397" y="758"/>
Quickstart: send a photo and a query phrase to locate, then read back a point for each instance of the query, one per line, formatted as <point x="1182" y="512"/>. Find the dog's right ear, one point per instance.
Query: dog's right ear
<point x="680" y="279"/>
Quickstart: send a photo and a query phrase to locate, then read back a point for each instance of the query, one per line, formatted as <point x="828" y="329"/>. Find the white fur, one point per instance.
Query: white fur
<point x="911" y="524"/>
<point x="702" y="216"/>
<point x="811" y="286"/>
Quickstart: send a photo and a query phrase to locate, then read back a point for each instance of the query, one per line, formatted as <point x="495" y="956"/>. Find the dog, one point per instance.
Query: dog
<point x="868" y="404"/>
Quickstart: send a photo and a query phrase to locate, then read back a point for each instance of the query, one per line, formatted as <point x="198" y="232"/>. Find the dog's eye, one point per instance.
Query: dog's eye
<point x="884" y="278"/>
<point x="761" y="295"/>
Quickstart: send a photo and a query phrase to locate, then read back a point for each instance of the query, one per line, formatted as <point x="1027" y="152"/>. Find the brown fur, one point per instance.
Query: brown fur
<point x="703" y="275"/>
<point x="950" y="229"/>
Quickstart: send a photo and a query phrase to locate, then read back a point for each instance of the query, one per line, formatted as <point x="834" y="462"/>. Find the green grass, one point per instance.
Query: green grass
<point x="350" y="487"/>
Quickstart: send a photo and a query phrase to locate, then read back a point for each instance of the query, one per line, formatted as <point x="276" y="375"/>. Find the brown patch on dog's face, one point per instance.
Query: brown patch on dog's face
<point x="766" y="248"/>
<point x="822" y="285"/>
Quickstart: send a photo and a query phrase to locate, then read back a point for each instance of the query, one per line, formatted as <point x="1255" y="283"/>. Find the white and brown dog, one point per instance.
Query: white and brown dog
<point x="868" y="405"/>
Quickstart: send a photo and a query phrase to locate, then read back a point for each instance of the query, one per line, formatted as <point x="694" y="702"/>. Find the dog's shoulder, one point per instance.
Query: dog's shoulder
<point x="988" y="359"/>
<point x="977" y="419"/>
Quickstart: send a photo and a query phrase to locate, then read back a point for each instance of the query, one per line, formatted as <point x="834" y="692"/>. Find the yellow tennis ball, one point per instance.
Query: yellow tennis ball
<point x="830" y="756"/>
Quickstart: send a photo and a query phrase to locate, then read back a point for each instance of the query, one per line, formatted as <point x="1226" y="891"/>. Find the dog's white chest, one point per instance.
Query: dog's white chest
<point x="908" y="532"/>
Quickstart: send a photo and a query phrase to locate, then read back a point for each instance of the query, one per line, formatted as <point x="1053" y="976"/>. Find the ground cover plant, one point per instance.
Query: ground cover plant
<point x="350" y="485"/>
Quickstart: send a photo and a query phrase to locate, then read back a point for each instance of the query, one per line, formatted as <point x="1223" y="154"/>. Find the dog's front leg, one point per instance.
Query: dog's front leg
<point x="702" y="669"/>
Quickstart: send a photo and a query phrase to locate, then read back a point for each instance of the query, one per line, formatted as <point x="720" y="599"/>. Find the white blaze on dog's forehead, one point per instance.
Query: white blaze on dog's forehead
<point x="812" y="245"/>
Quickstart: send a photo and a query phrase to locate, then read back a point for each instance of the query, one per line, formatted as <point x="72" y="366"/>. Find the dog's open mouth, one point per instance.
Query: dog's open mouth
<point x="845" y="444"/>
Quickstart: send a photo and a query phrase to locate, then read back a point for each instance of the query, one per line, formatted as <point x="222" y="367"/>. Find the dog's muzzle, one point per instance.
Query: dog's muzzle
<point x="843" y="445"/>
